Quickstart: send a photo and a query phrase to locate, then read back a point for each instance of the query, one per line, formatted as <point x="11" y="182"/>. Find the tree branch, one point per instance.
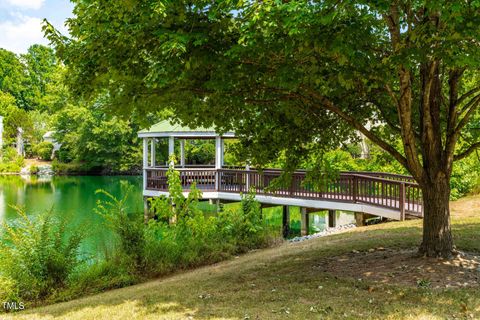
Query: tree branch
<point x="470" y="108"/>
<point x="392" y="95"/>
<point x="467" y="152"/>
<point x="467" y="94"/>
<point x="329" y="105"/>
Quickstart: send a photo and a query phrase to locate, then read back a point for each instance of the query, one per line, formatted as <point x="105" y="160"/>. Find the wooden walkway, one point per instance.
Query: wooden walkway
<point x="373" y="192"/>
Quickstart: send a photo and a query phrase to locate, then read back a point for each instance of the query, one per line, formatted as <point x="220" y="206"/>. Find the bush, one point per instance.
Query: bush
<point x="246" y="227"/>
<point x="63" y="155"/>
<point x="181" y="236"/>
<point x="37" y="257"/>
<point x="44" y="150"/>
<point x="73" y="168"/>
<point x="34" y="169"/>
<point x="11" y="161"/>
<point x="196" y="239"/>
<point x="10" y="168"/>
<point x="8" y="290"/>
<point x="465" y="177"/>
<point x="10" y="155"/>
<point x="128" y="228"/>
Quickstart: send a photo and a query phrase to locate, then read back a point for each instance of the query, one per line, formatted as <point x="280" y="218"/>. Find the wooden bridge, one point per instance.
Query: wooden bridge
<point x="381" y="194"/>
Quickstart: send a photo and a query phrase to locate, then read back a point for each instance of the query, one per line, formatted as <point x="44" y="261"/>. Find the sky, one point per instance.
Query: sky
<point x="20" y="21"/>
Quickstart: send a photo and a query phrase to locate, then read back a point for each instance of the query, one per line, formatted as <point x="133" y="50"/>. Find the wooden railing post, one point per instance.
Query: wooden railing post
<point x="217" y="180"/>
<point x="355" y="188"/>
<point x="402" y="201"/>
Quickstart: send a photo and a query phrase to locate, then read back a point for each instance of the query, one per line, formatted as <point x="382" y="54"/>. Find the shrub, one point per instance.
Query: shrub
<point x="181" y="235"/>
<point x="44" y="150"/>
<point x="8" y="290"/>
<point x="11" y="161"/>
<point x="10" y="168"/>
<point x="196" y="239"/>
<point x="63" y="155"/>
<point x="10" y="155"/>
<point x="37" y="257"/>
<point x="73" y="168"/>
<point x="465" y="177"/>
<point x="128" y="228"/>
<point x="34" y="169"/>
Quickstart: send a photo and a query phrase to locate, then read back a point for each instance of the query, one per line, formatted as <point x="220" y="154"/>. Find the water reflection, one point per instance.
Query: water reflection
<point x="63" y="194"/>
<point x="71" y="197"/>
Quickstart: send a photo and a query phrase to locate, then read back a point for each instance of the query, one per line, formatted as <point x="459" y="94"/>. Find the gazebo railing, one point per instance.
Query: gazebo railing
<point x="385" y="190"/>
<point x="205" y="179"/>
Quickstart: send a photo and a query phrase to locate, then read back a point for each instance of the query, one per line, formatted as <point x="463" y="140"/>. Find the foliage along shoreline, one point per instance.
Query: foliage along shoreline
<point x="41" y="261"/>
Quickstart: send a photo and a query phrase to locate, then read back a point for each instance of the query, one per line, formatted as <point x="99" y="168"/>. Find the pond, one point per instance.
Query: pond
<point x="72" y="196"/>
<point x="75" y="197"/>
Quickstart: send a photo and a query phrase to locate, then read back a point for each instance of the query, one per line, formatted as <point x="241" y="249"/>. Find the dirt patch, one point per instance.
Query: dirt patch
<point x="404" y="268"/>
<point x="36" y="162"/>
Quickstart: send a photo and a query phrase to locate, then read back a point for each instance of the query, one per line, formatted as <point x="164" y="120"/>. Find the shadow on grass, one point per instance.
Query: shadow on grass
<point x="284" y="282"/>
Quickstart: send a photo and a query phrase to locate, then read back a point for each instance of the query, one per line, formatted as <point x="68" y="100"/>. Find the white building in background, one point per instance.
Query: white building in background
<point x="49" y="137"/>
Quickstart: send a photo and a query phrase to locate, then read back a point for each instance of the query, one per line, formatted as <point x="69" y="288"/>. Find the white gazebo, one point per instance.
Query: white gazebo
<point x="173" y="132"/>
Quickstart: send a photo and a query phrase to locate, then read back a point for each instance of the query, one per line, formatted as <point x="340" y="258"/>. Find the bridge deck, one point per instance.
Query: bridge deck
<point x="382" y="194"/>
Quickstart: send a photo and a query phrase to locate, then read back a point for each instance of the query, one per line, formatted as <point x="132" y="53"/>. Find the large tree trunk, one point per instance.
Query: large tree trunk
<point x="437" y="234"/>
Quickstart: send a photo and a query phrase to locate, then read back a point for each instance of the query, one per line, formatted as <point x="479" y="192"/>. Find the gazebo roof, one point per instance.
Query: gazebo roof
<point x="166" y="129"/>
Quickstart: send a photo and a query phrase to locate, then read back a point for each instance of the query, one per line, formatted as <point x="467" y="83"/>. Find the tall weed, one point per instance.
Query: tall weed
<point x="38" y="256"/>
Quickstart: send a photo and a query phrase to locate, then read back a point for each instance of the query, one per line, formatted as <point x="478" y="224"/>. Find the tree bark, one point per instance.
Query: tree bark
<point x="437" y="234"/>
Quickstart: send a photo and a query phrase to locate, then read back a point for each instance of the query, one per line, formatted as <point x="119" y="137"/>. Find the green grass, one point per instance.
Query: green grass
<point x="283" y="283"/>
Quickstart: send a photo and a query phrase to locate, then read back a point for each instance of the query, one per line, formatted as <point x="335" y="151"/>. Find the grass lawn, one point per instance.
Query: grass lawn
<point x="288" y="282"/>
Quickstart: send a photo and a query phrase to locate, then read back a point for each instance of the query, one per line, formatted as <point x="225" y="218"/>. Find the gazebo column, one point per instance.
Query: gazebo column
<point x="145" y="162"/>
<point x="152" y="152"/>
<point x="182" y="153"/>
<point x="218" y="160"/>
<point x="146" y="209"/>
<point x="222" y="143"/>
<point x="171" y="147"/>
<point x="218" y="153"/>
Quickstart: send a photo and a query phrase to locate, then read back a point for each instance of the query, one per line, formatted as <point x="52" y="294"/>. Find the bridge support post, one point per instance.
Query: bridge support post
<point x="305" y="223"/>
<point x="332" y="218"/>
<point x="219" y="205"/>
<point x="360" y="219"/>
<point x="146" y="210"/>
<point x="286" y="221"/>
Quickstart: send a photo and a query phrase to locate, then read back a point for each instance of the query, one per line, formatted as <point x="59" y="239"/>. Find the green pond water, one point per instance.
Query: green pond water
<point x="75" y="197"/>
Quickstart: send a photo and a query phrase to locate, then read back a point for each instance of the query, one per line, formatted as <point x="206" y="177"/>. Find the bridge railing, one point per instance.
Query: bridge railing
<point x="385" y="190"/>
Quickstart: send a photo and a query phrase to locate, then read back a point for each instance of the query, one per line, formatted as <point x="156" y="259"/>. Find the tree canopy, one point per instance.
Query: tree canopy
<point x="297" y="76"/>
